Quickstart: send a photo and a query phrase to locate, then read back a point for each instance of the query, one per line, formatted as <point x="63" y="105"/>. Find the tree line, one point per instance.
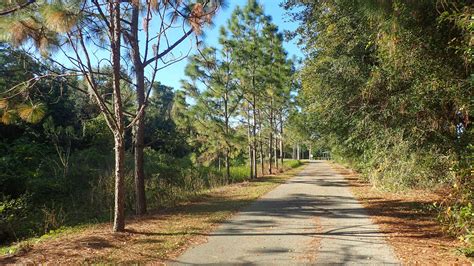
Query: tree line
<point x="242" y="88"/>
<point x="82" y="87"/>
<point x="387" y="86"/>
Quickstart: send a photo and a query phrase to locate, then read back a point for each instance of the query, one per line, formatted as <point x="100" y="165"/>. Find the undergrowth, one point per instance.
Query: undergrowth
<point x="169" y="181"/>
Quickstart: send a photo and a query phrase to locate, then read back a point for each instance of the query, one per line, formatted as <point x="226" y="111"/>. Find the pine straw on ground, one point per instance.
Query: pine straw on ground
<point x="408" y="222"/>
<point x="155" y="238"/>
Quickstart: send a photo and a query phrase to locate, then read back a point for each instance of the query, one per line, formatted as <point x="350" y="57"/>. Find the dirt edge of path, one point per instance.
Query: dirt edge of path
<point x="408" y="222"/>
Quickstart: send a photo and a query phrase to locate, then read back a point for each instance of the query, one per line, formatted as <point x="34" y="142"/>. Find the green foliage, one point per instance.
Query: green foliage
<point x="12" y="211"/>
<point x="456" y="212"/>
<point x="292" y="163"/>
<point x="171" y="180"/>
<point x="240" y="94"/>
<point x="458" y="220"/>
<point x="239" y="173"/>
<point x="163" y="130"/>
<point x="381" y="92"/>
<point x="388" y="87"/>
<point x="212" y="87"/>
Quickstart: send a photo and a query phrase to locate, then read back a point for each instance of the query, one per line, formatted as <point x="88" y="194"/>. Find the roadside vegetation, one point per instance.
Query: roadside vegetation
<point x="409" y="221"/>
<point x="387" y="87"/>
<point x="157" y="237"/>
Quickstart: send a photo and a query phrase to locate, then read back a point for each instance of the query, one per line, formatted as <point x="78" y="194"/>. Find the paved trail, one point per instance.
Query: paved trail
<point x="313" y="218"/>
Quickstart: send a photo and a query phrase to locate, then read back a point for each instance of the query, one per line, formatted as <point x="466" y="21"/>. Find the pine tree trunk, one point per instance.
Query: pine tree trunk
<point x="275" y="152"/>
<point x="310" y="156"/>
<point x="119" y="208"/>
<point x="227" y="165"/>
<point x="298" y="152"/>
<point x="282" y="154"/>
<point x="115" y="33"/>
<point x="270" y="154"/>
<point x="139" y="172"/>
<point x="254" y="135"/>
<point x="270" y="141"/>
<point x="262" y="157"/>
<point x="261" y="145"/>
<point x="227" y="148"/>
<point x="249" y="138"/>
<point x="139" y="127"/>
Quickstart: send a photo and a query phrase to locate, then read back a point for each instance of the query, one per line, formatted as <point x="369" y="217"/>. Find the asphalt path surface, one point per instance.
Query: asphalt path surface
<point x="311" y="219"/>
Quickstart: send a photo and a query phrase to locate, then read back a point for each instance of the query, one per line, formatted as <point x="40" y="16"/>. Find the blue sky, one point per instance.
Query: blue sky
<point x="172" y="75"/>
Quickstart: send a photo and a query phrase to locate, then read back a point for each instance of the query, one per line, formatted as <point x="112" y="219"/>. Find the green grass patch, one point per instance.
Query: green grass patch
<point x="292" y="163"/>
<point x="239" y="173"/>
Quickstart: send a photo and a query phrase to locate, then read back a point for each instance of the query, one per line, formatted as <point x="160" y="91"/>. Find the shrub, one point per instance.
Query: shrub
<point x="239" y="173"/>
<point x="291" y="163"/>
<point x="13" y="212"/>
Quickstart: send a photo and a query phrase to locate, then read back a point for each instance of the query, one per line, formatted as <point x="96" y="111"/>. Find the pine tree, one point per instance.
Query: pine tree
<point x="55" y="23"/>
<point x="262" y="73"/>
<point x="245" y="27"/>
<point x="11" y="6"/>
<point x="213" y="89"/>
<point x="147" y="53"/>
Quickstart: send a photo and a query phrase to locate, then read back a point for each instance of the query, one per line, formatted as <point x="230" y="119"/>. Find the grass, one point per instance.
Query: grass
<point x="158" y="237"/>
<point x="239" y="173"/>
<point x="292" y="163"/>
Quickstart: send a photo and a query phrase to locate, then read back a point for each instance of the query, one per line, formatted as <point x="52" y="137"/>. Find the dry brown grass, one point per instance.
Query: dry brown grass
<point x="152" y="239"/>
<point x="408" y="222"/>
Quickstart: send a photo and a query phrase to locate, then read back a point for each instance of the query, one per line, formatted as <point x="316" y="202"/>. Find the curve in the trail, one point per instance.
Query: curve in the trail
<point x="312" y="218"/>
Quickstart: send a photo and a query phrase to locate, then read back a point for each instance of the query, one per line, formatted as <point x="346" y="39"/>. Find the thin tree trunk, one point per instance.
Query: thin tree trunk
<point x="227" y="165"/>
<point x="270" y="154"/>
<point x="261" y="145"/>
<point x="275" y="152"/>
<point x="139" y="127"/>
<point x="227" y="148"/>
<point x="310" y="155"/>
<point x="254" y="134"/>
<point x="282" y="153"/>
<point x="270" y="141"/>
<point x="249" y="133"/>
<point x="298" y="151"/>
<point x="119" y="208"/>
<point x="262" y="154"/>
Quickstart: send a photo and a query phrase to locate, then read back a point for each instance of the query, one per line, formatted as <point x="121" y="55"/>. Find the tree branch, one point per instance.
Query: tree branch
<point x="14" y="9"/>
<point x="169" y="49"/>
